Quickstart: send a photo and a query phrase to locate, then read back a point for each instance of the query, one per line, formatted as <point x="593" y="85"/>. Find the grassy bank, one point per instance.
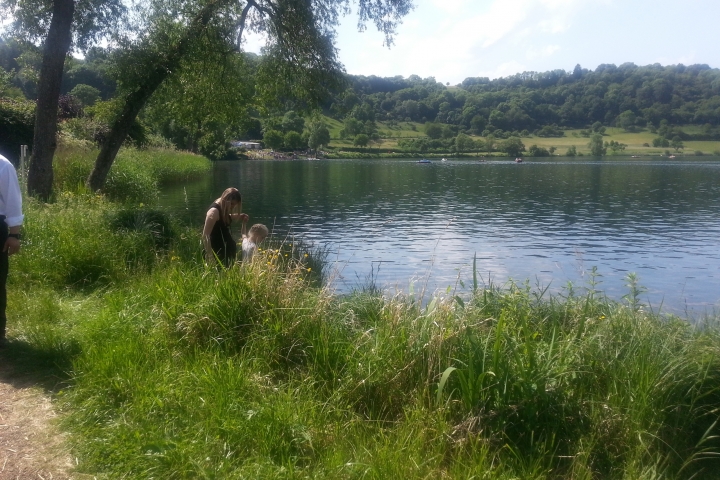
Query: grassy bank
<point x="135" y="175"/>
<point x="166" y="369"/>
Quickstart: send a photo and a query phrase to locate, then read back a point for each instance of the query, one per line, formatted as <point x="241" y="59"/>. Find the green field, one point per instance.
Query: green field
<point x="635" y="141"/>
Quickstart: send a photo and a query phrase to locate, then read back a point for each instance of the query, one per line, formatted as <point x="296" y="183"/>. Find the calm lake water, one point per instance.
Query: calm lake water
<point x="546" y="221"/>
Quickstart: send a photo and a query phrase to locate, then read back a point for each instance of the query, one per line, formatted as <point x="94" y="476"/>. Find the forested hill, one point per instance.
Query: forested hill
<point x="624" y="96"/>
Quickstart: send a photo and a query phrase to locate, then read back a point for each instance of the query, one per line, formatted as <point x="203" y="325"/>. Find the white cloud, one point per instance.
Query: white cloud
<point x="453" y="6"/>
<point x="455" y="39"/>
<point x="503" y="70"/>
<point x="542" y="52"/>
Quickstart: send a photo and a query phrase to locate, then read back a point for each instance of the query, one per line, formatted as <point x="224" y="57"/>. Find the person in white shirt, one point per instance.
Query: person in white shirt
<point x="11" y="219"/>
<point x="255" y="236"/>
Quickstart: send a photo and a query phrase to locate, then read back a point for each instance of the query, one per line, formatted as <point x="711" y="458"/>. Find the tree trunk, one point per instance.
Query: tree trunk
<point x="136" y="100"/>
<point x="57" y="44"/>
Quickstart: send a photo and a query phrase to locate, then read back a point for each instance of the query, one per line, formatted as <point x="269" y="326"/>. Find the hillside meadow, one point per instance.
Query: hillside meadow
<point x="163" y="367"/>
<point x="634" y="141"/>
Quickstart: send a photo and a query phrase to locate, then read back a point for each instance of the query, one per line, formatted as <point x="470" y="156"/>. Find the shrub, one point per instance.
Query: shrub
<point x="535" y="151"/>
<point x="69" y="107"/>
<point x="550" y="131"/>
<point x="17" y="124"/>
<point x="85" y="128"/>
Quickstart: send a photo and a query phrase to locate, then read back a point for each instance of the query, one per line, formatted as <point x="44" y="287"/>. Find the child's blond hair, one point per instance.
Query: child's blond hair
<point x="258" y="231"/>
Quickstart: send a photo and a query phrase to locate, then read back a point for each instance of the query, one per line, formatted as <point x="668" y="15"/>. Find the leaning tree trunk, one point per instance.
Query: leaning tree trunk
<point x="57" y="44"/>
<point x="136" y="99"/>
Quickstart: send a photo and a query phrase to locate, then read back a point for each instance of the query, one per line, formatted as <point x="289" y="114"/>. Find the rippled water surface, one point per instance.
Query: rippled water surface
<point x="548" y="221"/>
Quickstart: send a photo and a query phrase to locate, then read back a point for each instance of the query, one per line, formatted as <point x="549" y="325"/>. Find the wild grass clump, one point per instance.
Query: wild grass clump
<point x="251" y="371"/>
<point x="135" y="174"/>
<point x="166" y="165"/>
<point x="291" y="253"/>
<point x="86" y="242"/>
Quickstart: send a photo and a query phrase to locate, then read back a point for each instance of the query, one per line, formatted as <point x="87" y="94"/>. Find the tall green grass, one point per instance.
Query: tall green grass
<point x="135" y="174"/>
<point x="247" y="372"/>
<point x="166" y="368"/>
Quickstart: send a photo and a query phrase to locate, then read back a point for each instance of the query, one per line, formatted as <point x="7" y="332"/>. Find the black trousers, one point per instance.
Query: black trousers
<point x="4" y="267"/>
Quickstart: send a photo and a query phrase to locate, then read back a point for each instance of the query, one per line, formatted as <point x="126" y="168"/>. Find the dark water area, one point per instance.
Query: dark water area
<point x="544" y="220"/>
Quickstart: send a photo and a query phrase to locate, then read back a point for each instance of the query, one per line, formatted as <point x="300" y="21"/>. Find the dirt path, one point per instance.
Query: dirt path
<point x="31" y="447"/>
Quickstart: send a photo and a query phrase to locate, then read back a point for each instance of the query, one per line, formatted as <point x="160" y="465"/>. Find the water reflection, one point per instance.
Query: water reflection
<point x="547" y="221"/>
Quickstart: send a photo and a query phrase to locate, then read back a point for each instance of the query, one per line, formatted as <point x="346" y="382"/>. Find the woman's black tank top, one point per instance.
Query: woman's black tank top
<point x="221" y="240"/>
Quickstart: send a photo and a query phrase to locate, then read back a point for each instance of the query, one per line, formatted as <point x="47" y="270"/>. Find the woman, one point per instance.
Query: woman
<point x="216" y="237"/>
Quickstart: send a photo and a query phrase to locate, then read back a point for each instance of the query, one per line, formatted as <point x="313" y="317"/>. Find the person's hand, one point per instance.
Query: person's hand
<point x="244" y="217"/>
<point x="12" y="245"/>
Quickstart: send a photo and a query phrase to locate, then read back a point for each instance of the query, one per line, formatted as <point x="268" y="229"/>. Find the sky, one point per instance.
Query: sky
<point x="455" y="39"/>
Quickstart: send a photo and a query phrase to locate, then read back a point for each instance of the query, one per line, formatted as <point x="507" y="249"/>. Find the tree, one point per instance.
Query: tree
<point x="571" y="151"/>
<point x="535" y="151"/>
<point x="352" y="127"/>
<point x="489" y="143"/>
<point x="201" y="105"/>
<point x="57" y="44"/>
<point x="513" y="146"/>
<point x="463" y="143"/>
<point x="615" y="146"/>
<point x="64" y="24"/>
<point x="433" y="130"/>
<point x="627" y="120"/>
<point x="677" y="143"/>
<point x="597" y="148"/>
<point x="293" y="140"/>
<point x="318" y="133"/>
<point x="361" y="140"/>
<point x="86" y="94"/>
<point x="478" y="123"/>
<point x="291" y="121"/>
<point x="660" y="142"/>
<point x="273" y="139"/>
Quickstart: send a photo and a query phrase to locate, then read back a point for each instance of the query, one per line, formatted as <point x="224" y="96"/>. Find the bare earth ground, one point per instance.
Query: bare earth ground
<point x="31" y="447"/>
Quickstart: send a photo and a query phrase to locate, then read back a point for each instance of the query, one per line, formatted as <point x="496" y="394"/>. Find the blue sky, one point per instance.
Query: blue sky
<point x="455" y="39"/>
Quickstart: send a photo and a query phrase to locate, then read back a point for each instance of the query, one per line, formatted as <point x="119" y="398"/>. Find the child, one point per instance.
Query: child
<point x="255" y="236"/>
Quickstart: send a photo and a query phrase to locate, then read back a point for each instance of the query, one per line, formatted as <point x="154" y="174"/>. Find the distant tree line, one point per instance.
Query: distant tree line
<point x="627" y="96"/>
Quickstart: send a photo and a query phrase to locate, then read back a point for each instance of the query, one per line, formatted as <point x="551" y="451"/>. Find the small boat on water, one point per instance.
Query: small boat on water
<point x="444" y="159"/>
<point x="424" y="160"/>
<point x="518" y="160"/>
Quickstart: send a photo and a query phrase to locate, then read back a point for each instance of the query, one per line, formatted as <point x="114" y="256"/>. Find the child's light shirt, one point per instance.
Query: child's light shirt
<point x="248" y="248"/>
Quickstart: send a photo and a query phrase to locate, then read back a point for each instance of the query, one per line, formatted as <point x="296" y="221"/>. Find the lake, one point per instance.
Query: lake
<point x="547" y="221"/>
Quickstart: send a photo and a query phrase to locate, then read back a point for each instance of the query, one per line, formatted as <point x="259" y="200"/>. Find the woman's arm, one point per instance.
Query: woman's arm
<point x="210" y="219"/>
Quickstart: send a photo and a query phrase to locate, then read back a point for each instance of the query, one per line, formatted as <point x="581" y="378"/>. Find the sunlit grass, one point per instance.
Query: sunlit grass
<point x="166" y="368"/>
<point x="135" y="174"/>
<point x="634" y="141"/>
